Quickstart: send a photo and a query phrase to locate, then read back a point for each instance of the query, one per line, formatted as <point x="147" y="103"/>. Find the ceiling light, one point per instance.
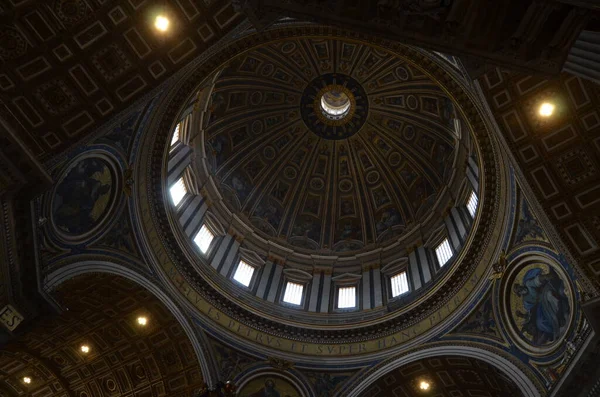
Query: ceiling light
<point x="27" y="380"/>
<point x="546" y="109"/>
<point x="85" y="349"/>
<point x="424" y="385"/>
<point x="142" y="321"/>
<point x="161" y="23"/>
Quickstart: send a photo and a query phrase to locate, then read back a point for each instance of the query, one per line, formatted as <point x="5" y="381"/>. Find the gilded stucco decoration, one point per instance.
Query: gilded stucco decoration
<point x="447" y="376"/>
<point x="330" y="185"/>
<point x="385" y="181"/>
<point x="307" y="197"/>
<point x="67" y="74"/>
<point x="445" y="315"/>
<point x="424" y="109"/>
<point x="558" y="156"/>
<point x="124" y="359"/>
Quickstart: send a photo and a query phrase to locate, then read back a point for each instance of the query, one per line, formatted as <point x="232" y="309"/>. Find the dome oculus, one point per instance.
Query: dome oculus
<point x="334" y="106"/>
<point x="335" y="103"/>
<point x="322" y="163"/>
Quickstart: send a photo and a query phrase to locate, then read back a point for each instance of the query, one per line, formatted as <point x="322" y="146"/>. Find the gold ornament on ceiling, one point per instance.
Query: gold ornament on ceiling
<point x="338" y="182"/>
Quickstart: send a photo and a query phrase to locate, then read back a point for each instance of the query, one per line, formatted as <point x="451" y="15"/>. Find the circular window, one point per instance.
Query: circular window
<point x="335" y="104"/>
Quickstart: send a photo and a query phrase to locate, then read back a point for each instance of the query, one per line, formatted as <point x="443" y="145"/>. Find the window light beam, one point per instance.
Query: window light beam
<point x="178" y="191"/>
<point x="293" y="293"/>
<point x="443" y="252"/>
<point x="399" y="284"/>
<point x="175" y="137"/>
<point x="346" y="297"/>
<point x="204" y="238"/>
<point x="472" y="204"/>
<point x="243" y="273"/>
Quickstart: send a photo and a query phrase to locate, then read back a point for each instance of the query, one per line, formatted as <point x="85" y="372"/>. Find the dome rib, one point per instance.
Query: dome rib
<point x="297" y="135"/>
<point x="307" y="189"/>
<point x="284" y="163"/>
<point x="399" y="200"/>
<point x="360" y="185"/>
<point x="416" y="162"/>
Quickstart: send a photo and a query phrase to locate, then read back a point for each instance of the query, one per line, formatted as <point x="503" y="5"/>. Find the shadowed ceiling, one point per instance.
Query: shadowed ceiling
<point x="560" y="155"/>
<point x="124" y="360"/>
<point x="449" y="376"/>
<point x="67" y="66"/>
<point x="318" y="193"/>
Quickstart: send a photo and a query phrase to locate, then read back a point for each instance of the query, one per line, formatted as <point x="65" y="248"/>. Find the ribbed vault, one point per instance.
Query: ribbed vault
<point x="275" y="165"/>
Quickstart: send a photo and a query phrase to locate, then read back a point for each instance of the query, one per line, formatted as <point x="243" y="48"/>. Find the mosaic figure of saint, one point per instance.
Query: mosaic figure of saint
<point x="269" y="390"/>
<point x="546" y="305"/>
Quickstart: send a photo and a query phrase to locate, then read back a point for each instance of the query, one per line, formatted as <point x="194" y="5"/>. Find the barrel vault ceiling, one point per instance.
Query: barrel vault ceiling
<point x="124" y="358"/>
<point x="448" y="376"/>
<point x="67" y="66"/>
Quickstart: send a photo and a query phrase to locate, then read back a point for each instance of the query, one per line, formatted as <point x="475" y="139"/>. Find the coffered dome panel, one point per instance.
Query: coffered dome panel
<point x="338" y="185"/>
<point x="315" y="188"/>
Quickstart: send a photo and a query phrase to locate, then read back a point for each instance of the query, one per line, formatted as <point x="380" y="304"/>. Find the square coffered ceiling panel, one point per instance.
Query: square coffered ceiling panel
<point x="67" y="66"/>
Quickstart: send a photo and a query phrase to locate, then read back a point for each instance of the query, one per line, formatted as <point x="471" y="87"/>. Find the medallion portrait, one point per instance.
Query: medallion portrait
<point x="83" y="196"/>
<point x="540" y="304"/>
<point x="269" y="386"/>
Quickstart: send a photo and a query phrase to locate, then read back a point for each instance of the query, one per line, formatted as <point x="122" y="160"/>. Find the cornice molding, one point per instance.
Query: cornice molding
<point x="150" y="173"/>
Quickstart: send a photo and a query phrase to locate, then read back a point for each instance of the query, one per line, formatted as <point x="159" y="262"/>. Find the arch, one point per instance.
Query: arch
<point x="59" y="276"/>
<point x="523" y="382"/>
<point x="264" y="371"/>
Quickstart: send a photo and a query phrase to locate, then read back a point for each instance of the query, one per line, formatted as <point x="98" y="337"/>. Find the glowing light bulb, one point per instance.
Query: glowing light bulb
<point x="27" y="380"/>
<point x="546" y="109"/>
<point x="142" y="321"/>
<point x="85" y="349"/>
<point x="423" y="385"/>
<point x="161" y="23"/>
